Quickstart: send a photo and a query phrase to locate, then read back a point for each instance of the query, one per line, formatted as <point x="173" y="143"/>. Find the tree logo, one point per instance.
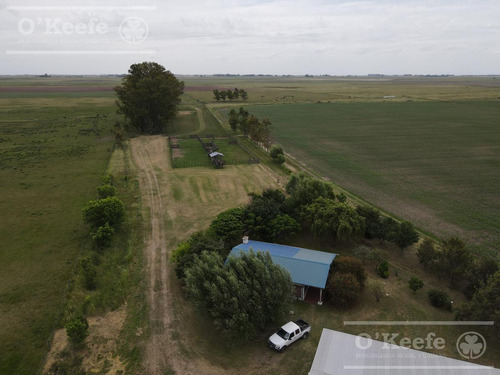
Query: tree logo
<point x="471" y="345"/>
<point x="133" y="30"/>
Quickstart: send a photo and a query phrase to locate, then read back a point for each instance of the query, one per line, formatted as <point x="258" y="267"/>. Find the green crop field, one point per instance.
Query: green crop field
<point x="52" y="154"/>
<point x="433" y="163"/>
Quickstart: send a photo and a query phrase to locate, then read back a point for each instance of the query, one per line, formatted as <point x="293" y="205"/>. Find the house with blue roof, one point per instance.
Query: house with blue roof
<point x="307" y="268"/>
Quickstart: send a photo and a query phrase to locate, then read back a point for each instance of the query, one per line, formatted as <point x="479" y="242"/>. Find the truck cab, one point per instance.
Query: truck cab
<point x="288" y="334"/>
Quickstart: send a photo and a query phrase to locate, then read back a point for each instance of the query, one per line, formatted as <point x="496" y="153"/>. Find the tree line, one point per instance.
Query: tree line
<point x="250" y="126"/>
<point x="311" y="207"/>
<point x="230" y="94"/>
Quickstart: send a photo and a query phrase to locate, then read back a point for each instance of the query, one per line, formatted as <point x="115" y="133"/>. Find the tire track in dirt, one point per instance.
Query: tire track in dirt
<point x="160" y="353"/>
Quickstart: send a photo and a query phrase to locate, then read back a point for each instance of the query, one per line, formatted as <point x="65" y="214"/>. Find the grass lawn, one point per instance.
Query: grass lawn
<point x="431" y="163"/>
<point x="52" y="154"/>
<point x="191" y="154"/>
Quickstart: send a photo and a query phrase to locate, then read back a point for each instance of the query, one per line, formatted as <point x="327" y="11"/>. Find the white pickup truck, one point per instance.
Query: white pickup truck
<point x="288" y="334"/>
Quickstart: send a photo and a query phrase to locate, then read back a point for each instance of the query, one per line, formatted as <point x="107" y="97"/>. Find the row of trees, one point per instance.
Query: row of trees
<point x="250" y="126"/>
<point x="230" y="94"/>
<point x="104" y="216"/>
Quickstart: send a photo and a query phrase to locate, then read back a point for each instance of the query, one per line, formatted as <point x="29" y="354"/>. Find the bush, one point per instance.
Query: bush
<point x="439" y="298"/>
<point x="77" y="330"/>
<point x="350" y="265"/>
<point x="277" y="154"/>
<point x="108" y="210"/>
<point x="343" y="289"/>
<point x="106" y="191"/>
<point x="383" y="269"/>
<point x="89" y="272"/>
<point x="103" y="236"/>
<point x="415" y="284"/>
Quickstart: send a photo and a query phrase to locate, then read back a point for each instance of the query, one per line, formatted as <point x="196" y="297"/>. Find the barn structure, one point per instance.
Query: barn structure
<point x="340" y="353"/>
<point x="308" y="268"/>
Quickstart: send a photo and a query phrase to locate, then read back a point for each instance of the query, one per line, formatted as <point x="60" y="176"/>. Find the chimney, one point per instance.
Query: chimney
<point x="245" y="239"/>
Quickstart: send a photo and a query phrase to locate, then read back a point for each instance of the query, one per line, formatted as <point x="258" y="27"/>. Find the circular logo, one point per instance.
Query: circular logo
<point x="471" y="345"/>
<point x="133" y="30"/>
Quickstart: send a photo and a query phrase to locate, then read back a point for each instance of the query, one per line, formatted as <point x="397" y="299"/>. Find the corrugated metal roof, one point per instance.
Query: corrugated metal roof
<point x="306" y="267"/>
<point x="340" y="353"/>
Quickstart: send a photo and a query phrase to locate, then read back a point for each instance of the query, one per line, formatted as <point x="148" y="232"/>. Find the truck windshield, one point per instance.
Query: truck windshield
<point x="283" y="334"/>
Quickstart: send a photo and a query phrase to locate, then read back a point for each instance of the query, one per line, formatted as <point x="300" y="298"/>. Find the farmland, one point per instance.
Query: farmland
<point x="431" y="160"/>
<point x="52" y="153"/>
<point x="431" y="163"/>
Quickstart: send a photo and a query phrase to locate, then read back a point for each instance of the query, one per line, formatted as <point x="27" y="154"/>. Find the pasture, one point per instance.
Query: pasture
<point x="52" y="154"/>
<point x="433" y="163"/>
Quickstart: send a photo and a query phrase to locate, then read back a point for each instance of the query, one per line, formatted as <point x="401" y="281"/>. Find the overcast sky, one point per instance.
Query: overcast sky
<point x="337" y="37"/>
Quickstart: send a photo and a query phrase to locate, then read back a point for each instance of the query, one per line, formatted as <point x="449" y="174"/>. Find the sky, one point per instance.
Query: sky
<point x="335" y="37"/>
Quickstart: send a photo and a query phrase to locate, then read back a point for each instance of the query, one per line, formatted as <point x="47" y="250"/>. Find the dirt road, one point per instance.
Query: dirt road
<point x="176" y="203"/>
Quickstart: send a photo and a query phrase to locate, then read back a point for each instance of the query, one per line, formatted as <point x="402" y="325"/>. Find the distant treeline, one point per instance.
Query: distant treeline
<point x="230" y="94"/>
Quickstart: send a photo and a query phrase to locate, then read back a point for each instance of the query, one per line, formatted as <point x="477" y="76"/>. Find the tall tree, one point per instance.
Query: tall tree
<point x="329" y="218"/>
<point x="405" y="235"/>
<point x="216" y="94"/>
<point x="148" y="97"/>
<point x="454" y="260"/>
<point x="426" y="252"/>
<point x="233" y="120"/>
<point x="245" y="296"/>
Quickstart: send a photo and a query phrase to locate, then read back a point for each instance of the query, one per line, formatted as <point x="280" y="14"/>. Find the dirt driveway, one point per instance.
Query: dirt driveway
<point x="177" y="203"/>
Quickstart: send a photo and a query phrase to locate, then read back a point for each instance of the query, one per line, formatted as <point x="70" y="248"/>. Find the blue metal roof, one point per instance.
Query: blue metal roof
<point x="306" y="267"/>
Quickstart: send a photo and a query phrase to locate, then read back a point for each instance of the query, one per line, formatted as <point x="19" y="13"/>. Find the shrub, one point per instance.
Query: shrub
<point x="276" y="153"/>
<point x="439" y="298"/>
<point x="415" y="284"/>
<point x="377" y="289"/>
<point x="89" y="272"/>
<point x="102" y="236"/>
<point x="77" y="330"/>
<point x="350" y="265"/>
<point x="383" y="269"/>
<point x="343" y="289"/>
<point x="108" y="210"/>
<point x="106" y="191"/>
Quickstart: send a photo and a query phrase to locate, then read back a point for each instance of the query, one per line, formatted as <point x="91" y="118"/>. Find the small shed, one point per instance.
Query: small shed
<point x="340" y="353"/>
<point x="307" y="268"/>
<point x="217" y="159"/>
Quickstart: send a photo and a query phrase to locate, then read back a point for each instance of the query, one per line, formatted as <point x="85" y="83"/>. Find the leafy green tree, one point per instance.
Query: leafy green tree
<point x="439" y="298"/>
<point x="389" y="229"/>
<point x="485" y="303"/>
<point x="283" y="228"/>
<point x="106" y="191"/>
<point x="108" y="210"/>
<point x="223" y="95"/>
<point x="374" y="227"/>
<point x="216" y="95"/>
<point x="233" y="120"/>
<point x="405" y="235"/>
<point x="236" y="93"/>
<point x="346" y="264"/>
<point x="383" y="269"/>
<point x="329" y="218"/>
<point x="229" y="226"/>
<point x="258" y="214"/>
<point x="377" y="289"/>
<point x="304" y="190"/>
<point x="244" y="297"/>
<point x="77" y="330"/>
<point x="243" y="117"/>
<point x="243" y="94"/>
<point x="426" y="252"/>
<point x="343" y="290"/>
<point x="103" y="236"/>
<point x="277" y="154"/>
<point x="479" y="274"/>
<point x="454" y="260"/>
<point x="415" y="284"/>
<point x="148" y="97"/>
<point x="197" y="243"/>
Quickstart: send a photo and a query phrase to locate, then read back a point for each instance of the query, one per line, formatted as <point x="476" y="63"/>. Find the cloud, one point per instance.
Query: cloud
<point x="240" y="36"/>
